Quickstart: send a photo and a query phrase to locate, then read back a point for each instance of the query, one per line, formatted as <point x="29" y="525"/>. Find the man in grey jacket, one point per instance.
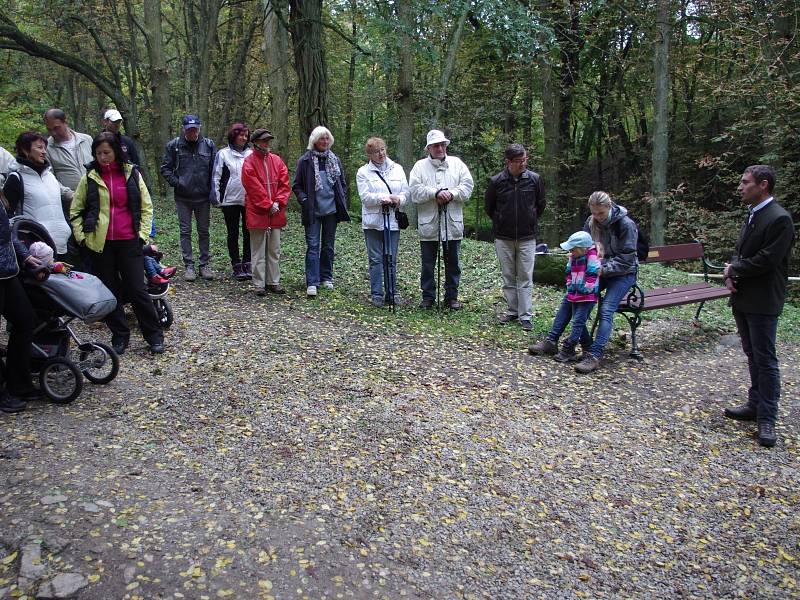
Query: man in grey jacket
<point x="68" y="152"/>
<point x="187" y="165"/>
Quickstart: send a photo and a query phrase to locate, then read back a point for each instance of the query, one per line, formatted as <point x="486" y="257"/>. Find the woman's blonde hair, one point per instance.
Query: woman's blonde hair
<point x="598" y="199"/>
<point x="374" y="143"/>
<point x="318" y="132"/>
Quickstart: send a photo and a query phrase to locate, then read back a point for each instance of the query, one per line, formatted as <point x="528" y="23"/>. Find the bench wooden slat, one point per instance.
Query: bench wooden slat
<point x="686" y="297"/>
<point x="671" y="290"/>
<point x="674" y="252"/>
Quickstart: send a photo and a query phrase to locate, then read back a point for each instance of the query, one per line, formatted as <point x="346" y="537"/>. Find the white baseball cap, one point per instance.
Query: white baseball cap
<point x="435" y="137"/>
<point x="112" y="114"/>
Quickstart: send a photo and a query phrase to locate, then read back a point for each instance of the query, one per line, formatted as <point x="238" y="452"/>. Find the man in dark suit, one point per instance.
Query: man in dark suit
<point x="757" y="279"/>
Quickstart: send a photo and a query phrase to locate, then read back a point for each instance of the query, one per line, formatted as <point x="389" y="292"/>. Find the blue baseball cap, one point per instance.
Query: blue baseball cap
<point x="579" y="239"/>
<point x="191" y="122"/>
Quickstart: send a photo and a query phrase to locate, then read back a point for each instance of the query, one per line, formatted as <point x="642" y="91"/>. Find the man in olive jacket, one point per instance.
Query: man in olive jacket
<point x="756" y="277"/>
<point x="514" y="201"/>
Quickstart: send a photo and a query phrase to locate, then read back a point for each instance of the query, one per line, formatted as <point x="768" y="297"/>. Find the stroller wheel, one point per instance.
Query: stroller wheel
<point x="98" y="362"/>
<point x="164" y="312"/>
<point x="60" y="380"/>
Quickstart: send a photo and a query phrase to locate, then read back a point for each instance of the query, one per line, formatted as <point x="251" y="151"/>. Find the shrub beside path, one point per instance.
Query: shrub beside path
<point x="277" y="451"/>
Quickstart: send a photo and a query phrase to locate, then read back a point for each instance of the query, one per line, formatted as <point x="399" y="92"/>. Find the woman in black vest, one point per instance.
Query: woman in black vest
<point x="111" y="216"/>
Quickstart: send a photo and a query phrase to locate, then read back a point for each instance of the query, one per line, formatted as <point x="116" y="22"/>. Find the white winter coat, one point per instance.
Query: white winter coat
<point x="234" y="192"/>
<point x="42" y="203"/>
<point x="371" y="189"/>
<point x="428" y="177"/>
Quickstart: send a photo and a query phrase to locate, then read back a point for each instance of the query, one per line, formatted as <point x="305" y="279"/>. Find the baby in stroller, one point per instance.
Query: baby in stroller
<point x="57" y="301"/>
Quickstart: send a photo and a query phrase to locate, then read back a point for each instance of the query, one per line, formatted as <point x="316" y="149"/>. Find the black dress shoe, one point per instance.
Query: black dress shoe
<point x="745" y="412"/>
<point x="119" y="344"/>
<point x="157" y="348"/>
<point x="766" y="434"/>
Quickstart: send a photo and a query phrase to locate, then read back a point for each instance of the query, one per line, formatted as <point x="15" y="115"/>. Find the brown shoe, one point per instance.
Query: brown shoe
<point x="276" y="289"/>
<point x="261" y="292"/>
<point x="745" y="412"/>
<point x="453" y="304"/>
<point x="589" y="363"/>
<point x="426" y="304"/>
<point x="507" y="318"/>
<point x="543" y="347"/>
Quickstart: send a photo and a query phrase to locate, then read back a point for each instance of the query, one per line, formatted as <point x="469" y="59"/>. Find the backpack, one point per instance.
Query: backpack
<point x="642" y="240"/>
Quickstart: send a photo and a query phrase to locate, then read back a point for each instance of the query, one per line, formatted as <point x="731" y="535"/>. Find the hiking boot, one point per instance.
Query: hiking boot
<point x="543" y="347"/>
<point x="453" y="304"/>
<point x="11" y="405"/>
<point x="157" y="348"/>
<point x="377" y="302"/>
<point x="745" y="412"/>
<point x="566" y="354"/>
<point x="328" y="285"/>
<point x="205" y="272"/>
<point x="168" y="272"/>
<point x="426" y="303"/>
<point x="507" y="318"/>
<point x="238" y="272"/>
<point x="190" y="274"/>
<point x="588" y="364"/>
<point x="247" y="269"/>
<point x="526" y="324"/>
<point x="261" y="292"/>
<point x="119" y="344"/>
<point x="311" y="291"/>
<point x="766" y="434"/>
<point x="276" y="288"/>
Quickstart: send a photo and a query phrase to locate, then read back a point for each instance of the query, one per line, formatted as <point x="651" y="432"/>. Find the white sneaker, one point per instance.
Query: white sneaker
<point x="328" y="285"/>
<point x="311" y="291"/>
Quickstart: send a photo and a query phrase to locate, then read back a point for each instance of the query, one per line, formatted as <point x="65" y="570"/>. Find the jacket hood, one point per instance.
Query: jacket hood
<point x="615" y="214"/>
<point x="23" y="163"/>
<point x="373" y="167"/>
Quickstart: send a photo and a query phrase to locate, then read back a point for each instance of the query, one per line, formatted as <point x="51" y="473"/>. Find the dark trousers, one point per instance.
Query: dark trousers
<point x="16" y="309"/>
<point x="758" y="342"/>
<point x="452" y="269"/>
<point x="120" y="266"/>
<point x="234" y="220"/>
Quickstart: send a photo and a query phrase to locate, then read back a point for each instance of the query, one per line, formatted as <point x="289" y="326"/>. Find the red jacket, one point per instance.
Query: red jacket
<point x="265" y="180"/>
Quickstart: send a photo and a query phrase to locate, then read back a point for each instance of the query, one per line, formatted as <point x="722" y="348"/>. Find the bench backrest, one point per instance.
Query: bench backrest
<point x="675" y="252"/>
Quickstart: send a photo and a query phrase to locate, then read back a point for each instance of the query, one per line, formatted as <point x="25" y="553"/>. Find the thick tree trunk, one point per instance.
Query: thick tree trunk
<point x="348" y="111"/>
<point x="404" y="95"/>
<point x="660" y="123"/>
<point x="276" y="56"/>
<point x="159" y="83"/>
<point x="305" y="19"/>
<point x="450" y="63"/>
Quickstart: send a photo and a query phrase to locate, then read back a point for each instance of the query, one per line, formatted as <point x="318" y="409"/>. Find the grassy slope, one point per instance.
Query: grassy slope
<point x="480" y="287"/>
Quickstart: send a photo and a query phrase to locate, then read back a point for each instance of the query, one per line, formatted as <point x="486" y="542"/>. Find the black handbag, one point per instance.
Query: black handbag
<point x="402" y="218"/>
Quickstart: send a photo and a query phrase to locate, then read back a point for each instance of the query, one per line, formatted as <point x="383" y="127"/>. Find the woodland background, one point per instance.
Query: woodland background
<point x="660" y="102"/>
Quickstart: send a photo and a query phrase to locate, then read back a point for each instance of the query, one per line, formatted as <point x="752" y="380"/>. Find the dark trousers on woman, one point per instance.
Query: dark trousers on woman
<point x="120" y="266"/>
<point x="234" y="220"/>
<point x="16" y="309"/>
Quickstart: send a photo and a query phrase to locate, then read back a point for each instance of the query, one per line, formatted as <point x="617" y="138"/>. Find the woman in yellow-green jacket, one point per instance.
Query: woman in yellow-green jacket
<point x="111" y="215"/>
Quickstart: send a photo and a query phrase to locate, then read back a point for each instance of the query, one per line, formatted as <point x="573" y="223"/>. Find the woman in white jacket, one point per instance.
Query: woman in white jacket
<point x="382" y="187"/>
<point x="228" y="193"/>
<point x="33" y="191"/>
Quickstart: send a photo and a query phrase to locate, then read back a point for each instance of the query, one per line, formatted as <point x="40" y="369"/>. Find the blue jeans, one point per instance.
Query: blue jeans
<point x="452" y="269"/>
<point x="151" y="266"/>
<point x="319" y="261"/>
<point x="758" y="342"/>
<point x="565" y="314"/>
<point x="615" y="288"/>
<point x="374" y="240"/>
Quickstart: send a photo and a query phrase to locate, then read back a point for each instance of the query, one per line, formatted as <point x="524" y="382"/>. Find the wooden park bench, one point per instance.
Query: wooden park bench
<point x="639" y="300"/>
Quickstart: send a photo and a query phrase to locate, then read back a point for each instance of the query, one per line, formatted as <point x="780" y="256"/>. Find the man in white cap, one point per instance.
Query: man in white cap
<point x="112" y="121"/>
<point x="440" y="185"/>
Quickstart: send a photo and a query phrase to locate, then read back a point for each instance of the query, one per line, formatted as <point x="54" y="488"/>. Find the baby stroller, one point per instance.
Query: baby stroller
<point x="158" y="292"/>
<point x="57" y="302"/>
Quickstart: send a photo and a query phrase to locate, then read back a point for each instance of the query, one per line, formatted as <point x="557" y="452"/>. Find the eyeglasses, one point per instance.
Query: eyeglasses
<point x="377" y="151"/>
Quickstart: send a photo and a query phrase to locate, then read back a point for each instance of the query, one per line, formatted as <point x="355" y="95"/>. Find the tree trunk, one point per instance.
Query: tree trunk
<point x="351" y="77"/>
<point x="159" y="83"/>
<point x="660" y="123"/>
<point x="404" y="95"/>
<point x="452" y="54"/>
<point x="276" y="55"/>
<point x="305" y="19"/>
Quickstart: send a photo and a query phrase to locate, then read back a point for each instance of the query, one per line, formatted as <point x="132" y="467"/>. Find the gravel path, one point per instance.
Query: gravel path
<point x="277" y="451"/>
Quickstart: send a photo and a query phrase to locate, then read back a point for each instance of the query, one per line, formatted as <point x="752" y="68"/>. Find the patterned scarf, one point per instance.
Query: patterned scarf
<point x="332" y="168"/>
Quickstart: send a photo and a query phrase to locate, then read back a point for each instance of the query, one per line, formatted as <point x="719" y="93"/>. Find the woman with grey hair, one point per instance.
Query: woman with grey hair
<point x="321" y="190"/>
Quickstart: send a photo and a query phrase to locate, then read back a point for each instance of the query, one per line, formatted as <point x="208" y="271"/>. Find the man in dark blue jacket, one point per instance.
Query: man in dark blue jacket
<point x="514" y="201"/>
<point x="757" y="278"/>
<point x="187" y="166"/>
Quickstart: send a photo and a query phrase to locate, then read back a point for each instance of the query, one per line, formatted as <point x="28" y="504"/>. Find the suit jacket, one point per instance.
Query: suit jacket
<point x="760" y="267"/>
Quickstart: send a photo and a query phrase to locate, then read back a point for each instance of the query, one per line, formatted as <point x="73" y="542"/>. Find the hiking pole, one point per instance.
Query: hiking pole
<point x="446" y="246"/>
<point x="439" y="262"/>
<point x="387" y="257"/>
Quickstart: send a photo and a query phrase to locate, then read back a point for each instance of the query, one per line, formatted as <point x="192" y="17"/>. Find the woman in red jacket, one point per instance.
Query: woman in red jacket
<point x="265" y="180"/>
